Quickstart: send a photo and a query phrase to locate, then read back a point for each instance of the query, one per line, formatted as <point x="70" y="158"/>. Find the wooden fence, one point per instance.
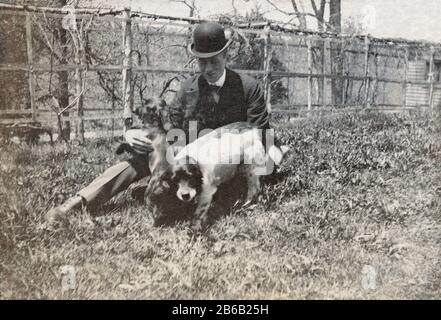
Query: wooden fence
<point x="276" y="39"/>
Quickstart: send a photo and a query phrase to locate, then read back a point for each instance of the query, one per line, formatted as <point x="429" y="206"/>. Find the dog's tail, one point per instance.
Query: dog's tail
<point x="277" y="154"/>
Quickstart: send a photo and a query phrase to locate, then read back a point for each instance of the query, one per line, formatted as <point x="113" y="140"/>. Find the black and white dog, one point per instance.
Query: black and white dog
<point x="214" y="159"/>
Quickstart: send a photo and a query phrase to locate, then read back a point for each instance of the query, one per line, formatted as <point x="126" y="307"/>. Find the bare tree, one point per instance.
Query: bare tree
<point x="50" y="44"/>
<point x="52" y="36"/>
<point x="336" y="52"/>
<point x="300" y="13"/>
<point x="319" y="54"/>
<point x="335" y="14"/>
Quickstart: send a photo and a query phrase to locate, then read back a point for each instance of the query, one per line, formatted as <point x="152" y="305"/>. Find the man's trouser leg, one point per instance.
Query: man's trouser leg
<point x="114" y="180"/>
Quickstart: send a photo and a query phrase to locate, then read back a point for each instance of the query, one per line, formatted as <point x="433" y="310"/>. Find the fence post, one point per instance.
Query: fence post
<point x="323" y="68"/>
<point x="431" y="79"/>
<point x="406" y="67"/>
<point x="343" y="72"/>
<point x="366" y="71"/>
<point x="127" y="72"/>
<point x="79" y="93"/>
<point x="373" y="100"/>
<point x="267" y="55"/>
<point x="309" y="44"/>
<point x="30" y="64"/>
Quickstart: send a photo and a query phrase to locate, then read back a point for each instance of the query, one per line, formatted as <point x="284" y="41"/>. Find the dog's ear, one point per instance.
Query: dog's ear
<point x="158" y="187"/>
<point x="196" y="170"/>
<point x="166" y="178"/>
<point x="195" y="173"/>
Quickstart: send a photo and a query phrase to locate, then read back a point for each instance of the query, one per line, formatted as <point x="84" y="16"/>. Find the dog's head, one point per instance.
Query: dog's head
<point x="185" y="178"/>
<point x="172" y="193"/>
<point x="153" y="112"/>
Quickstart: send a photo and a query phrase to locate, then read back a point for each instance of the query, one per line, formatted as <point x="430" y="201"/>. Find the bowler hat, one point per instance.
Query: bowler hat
<point x="208" y="40"/>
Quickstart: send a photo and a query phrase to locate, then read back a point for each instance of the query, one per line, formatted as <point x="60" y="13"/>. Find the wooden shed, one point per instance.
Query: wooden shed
<point x="418" y="94"/>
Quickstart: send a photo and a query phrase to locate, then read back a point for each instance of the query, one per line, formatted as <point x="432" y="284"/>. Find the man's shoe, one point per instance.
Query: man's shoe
<point x="59" y="214"/>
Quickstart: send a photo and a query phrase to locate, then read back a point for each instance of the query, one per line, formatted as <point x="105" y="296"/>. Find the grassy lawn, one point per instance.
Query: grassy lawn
<point x="357" y="193"/>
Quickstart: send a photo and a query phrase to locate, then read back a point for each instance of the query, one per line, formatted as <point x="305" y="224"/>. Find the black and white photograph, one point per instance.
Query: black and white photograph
<point x="210" y="150"/>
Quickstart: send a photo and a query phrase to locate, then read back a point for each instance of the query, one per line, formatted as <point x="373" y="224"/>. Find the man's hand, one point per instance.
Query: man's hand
<point x="137" y="139"/>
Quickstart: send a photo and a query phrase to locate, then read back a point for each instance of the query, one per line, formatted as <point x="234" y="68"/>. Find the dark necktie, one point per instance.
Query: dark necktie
<point x="215" y="92"/>
<point x="214" y="87"/>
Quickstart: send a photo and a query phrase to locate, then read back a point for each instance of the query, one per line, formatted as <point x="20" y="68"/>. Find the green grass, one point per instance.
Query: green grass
<point x="356" y="190"/>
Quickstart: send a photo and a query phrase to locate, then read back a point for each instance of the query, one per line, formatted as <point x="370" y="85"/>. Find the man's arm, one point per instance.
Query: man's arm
<point x="257" y="113"/>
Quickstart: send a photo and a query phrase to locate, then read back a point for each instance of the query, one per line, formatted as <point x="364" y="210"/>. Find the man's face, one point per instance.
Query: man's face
<point x="212" y="68"/>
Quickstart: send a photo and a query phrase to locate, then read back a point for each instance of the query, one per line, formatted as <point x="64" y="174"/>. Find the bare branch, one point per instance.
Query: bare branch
<point x="314" y="7"/>
<point x="294" y="5"/>
<point x="302" y="19"/>
<point x="167" y="84"/>
<point x="300" y="15"/>
<point x="70" y="104"/>
<point x="184" y="2"/>
<point x="322" y="7"/>
<point x="319" y="13"/>
<point x="280" y="10"/>
<point x="191" y="6"/>
<point x="47" y="42"/>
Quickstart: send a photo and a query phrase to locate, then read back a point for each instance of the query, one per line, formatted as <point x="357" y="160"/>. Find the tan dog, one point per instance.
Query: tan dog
<point x="162" y="201"/>
<point x="153" y="114"/>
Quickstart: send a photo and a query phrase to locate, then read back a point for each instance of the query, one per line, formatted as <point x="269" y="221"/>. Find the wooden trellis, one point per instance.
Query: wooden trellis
<point x="270" y="32"/>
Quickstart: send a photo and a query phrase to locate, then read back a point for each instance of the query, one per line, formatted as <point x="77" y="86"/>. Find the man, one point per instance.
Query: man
<point x="215" y="97"/>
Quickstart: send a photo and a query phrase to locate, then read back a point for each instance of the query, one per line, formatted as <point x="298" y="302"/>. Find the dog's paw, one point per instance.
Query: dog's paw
<point x="249" y="203"/>
<point x="242" y="205"/>
<point x="197" y="226"/>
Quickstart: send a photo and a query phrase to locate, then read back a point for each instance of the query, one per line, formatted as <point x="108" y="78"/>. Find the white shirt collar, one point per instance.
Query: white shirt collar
<point x="220" y="82"/>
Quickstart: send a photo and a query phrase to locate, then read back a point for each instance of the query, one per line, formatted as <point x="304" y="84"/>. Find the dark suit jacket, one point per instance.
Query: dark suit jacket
<point x="241" y="99"/>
